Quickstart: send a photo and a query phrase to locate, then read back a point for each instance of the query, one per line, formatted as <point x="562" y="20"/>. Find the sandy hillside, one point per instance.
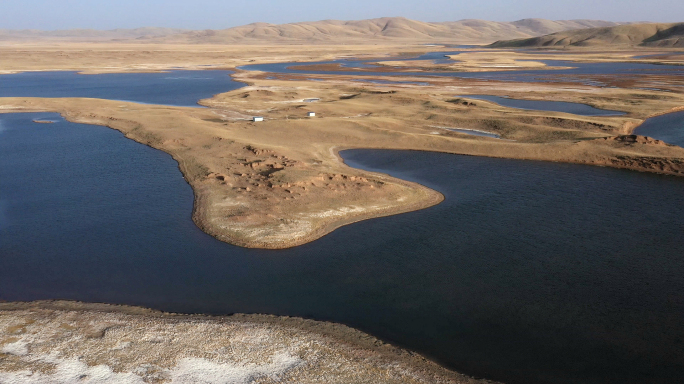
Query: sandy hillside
<point x="325" y="31"/>
<point x="87" y="34"/>
<point x="387" y="28"/>
<point x="651" y="34"/>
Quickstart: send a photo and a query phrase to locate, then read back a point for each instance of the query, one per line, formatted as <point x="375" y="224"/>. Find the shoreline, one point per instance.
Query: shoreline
<point x="281" y="183"/>
<point x="106" y="335"/>
<point x="433" y="198"/>
<point x="254" y="230"/>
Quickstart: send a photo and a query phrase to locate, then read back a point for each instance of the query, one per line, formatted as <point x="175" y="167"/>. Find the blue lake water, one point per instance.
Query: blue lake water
<point x="668" y="128"/>
<point x="544" y="105"/>
<point x="528" y="272"/>
<point x="179" y="88"/>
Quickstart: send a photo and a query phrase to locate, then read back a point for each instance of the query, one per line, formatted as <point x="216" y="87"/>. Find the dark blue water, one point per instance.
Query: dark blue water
<point x="179" y="88"/>
<point x="529" y="272"/>
<point x="542" y="105"/>
<point x="668" y="128"/>
<point x="536" y="75"/>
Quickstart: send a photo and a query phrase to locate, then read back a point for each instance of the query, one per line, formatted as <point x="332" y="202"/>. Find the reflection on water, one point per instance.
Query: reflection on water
<point x="528" y="272"/>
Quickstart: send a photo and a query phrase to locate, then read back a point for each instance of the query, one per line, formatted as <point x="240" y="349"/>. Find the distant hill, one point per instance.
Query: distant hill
<point x="327" y="31"/>
<point x="88" y="34"/>
<point x="384" y="29"/>
<point x="646" y="34"/>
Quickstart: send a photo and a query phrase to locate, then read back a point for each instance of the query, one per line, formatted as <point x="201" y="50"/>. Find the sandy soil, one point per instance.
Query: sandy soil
<point x="280" y="183"/>
<point x="122" y="57"/>
<point x="67" y="342"/>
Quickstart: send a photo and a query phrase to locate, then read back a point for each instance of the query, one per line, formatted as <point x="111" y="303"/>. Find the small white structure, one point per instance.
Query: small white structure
<point x="257" y="118"/>
<point x="311" y="114"/>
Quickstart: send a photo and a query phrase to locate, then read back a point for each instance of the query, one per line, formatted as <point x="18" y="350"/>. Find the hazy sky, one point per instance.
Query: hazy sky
<point x="217" y="14"/>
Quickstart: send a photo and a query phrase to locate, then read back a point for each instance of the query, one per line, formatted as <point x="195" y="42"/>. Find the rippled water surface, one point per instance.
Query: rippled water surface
<point x="529" y="272"/>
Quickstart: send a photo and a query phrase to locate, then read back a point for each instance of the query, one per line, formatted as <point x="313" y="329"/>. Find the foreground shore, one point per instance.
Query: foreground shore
<point x="281" y="183"/>
<point x="69" y="342"/>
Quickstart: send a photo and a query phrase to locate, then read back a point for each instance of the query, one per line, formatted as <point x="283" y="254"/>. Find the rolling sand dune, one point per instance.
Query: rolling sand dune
<point x="653" y="35"/>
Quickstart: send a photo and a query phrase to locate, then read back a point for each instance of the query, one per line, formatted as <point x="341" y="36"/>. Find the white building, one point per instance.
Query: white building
<point x="257" y="118"/>
<point x="311" y="114"/>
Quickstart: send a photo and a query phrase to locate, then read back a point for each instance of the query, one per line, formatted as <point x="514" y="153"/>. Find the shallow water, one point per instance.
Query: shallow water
<point x="178" y="88"/>
<point x="529" y="272"/>
<point x="543" y="105"/>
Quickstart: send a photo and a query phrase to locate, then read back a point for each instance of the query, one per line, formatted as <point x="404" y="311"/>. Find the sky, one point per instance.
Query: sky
<point x="219" y="14"/>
